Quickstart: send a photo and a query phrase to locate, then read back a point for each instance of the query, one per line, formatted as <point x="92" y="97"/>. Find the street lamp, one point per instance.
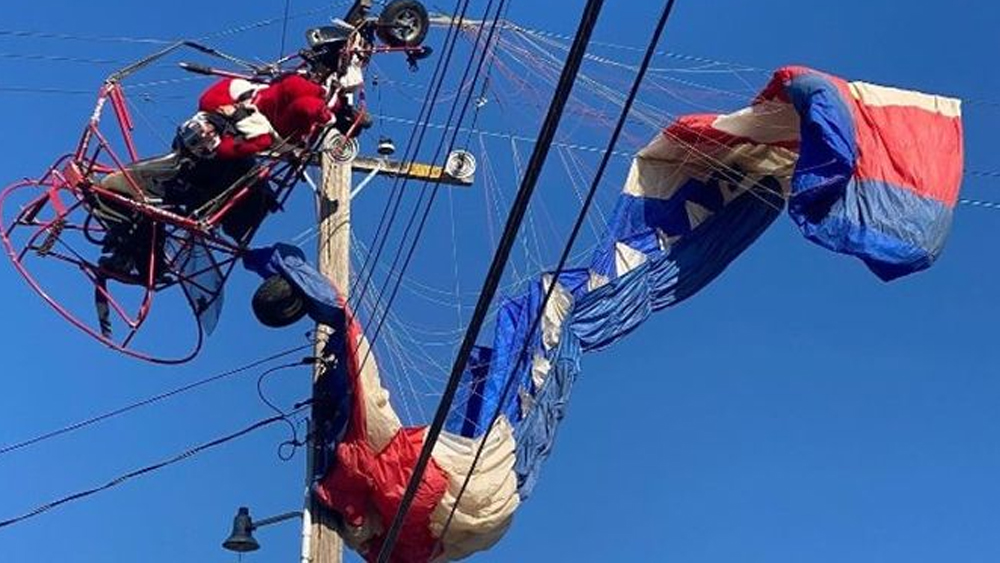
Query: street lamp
<point x="241" y="540"/>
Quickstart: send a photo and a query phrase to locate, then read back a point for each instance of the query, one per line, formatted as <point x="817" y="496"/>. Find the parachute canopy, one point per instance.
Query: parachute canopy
<point x="865" y="170"/>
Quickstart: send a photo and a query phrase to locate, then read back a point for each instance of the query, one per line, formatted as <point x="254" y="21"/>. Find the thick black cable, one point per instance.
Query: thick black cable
<point x="522" y="358"/>
<point x="436" y="188"/>
<point x="417" y="134"/>
<point x="547" y="134"/>
<point x="143" y="471"/>
<point x="146" y="402"/>
<point x="414" y="141"/>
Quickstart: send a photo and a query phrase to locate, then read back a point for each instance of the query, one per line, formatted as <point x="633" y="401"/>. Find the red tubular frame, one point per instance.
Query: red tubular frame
<point x="67" y="190"/>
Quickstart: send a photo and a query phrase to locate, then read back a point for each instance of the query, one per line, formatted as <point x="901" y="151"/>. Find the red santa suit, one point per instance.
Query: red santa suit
<point x="289" y="108"/>
<point x="295" y="106"/>
<point x="232" y="97"/>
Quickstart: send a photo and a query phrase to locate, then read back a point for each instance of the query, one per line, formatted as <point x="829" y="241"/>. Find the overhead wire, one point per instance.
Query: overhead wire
<point x="410" y="152"/>
<point x="588" y="21"/>
<point x="126" y="477"/>
<point x="148" y="401"/>
<point x="567" y="250"/>
<point x="436" y="188"/>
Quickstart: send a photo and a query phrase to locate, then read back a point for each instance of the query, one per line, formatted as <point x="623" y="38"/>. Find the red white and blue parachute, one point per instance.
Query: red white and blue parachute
<point x="865" y="170"/>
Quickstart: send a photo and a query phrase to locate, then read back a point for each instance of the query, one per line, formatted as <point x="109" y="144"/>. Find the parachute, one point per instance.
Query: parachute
<point x="864" y="170"/>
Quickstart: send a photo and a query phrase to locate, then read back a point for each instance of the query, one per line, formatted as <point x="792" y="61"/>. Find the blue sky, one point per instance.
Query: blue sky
<point x="796" y="410"/>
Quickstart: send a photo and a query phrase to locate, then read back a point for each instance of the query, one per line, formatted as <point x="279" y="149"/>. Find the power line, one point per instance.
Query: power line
<point x="436" y="189"/>
<point x="588" y="21"/>
<point x="59" y="58"/>
<point x="414" y="142"/>
<point x="146" y="402"/>
<point x="41" y="509"/>
<point x="567" y="250"/>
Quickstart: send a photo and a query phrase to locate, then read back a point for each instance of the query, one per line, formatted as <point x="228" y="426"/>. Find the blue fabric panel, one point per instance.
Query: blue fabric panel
<point x="895" y="231"/>
<point x="702" y="256"/>
<point x="828" y="148"/>
<point x="635" y="220"/>
<point x="536" y="435"/>
<point x="514" y="318"/>
<point x="467" y="408"/>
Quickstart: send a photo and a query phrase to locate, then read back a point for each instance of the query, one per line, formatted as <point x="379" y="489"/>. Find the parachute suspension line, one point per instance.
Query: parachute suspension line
<point x="454" y="260"/>
<point x="486" y="89"/>
<point x="567" y="250"/>
<point x="436" y="188"/>
<point x="145" y="119"/>
<point x="491" y="283"/>
<point x="284" y="29"/>
<point x="413" y="145"/>
<point x="533" y="261"/>
<point x="437" y="155"/>
<point x="575" y="175"/>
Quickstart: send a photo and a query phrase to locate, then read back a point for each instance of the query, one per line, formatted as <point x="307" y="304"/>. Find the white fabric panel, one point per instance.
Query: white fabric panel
<point x="666" y="241"/>
<point x="663" y="171"/>
<point x="254" y="125"/>
<point x="764" y="122"/>
<point x="540" y="367"/>
<point x="627" y="258"/>
<point x="697" y="214"/>
<point x="488" y="504"/>
<point x="596" y="281"/>
<point x="880" y="96"/>
<point x="556" y="309"/>
<point x="382" y="420"/>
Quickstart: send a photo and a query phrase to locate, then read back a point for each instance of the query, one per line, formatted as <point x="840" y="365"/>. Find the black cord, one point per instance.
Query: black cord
<point x="435" y="190"/>
<point x="413" y="145"/>
<point x="139" y="472"/>
<point x="145" y="402"/>
<point x="286" y="449"/>
<point x="567" y="249"/>
<point x="588" y="21"/>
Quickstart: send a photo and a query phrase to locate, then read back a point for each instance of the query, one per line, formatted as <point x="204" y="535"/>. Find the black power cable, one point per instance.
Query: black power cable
<point x="41" y="509"/>
<point x="567" y="249"/>
<point x="547" y="134"/>
<point x="413" y="145"/>
<point x="436" y="188"/>
<point x="146" y="402"/>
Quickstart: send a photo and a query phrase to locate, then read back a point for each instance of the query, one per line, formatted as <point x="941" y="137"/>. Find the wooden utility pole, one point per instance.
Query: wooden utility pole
<point x="334" y="247"/>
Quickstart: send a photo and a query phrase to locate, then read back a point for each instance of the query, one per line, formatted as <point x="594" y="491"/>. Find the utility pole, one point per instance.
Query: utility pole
<point x="321" y="544"/>
<point x="320" y="541"/>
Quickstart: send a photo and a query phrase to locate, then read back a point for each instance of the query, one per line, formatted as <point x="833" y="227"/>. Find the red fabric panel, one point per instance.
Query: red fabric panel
<point x="365" y="483"/>
<point x="912" y="148"/>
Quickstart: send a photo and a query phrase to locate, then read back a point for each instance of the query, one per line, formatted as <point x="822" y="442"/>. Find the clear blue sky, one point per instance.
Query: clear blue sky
<point x="796" y="410"/>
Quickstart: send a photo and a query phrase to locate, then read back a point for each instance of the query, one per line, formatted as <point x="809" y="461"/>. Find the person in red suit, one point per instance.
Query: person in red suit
<point x="214" y="151"/>
<point x="287" y="110"/>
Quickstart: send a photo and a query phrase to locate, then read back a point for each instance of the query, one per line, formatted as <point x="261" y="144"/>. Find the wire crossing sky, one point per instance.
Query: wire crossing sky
<point x="795" y="410"/>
